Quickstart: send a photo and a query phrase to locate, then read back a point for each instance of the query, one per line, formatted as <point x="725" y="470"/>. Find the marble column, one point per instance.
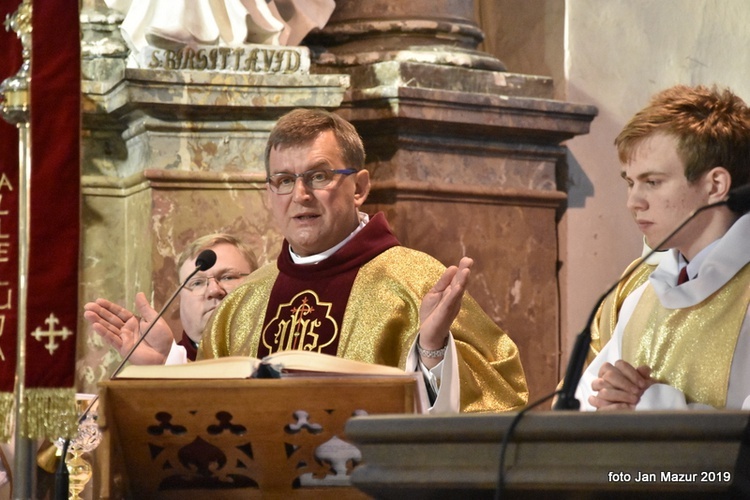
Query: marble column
<point x="464" y="155"/>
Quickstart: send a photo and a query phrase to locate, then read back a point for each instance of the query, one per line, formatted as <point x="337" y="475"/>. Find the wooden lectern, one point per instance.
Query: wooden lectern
<point x="690" y="454"/>
<point x="250" y="438"/>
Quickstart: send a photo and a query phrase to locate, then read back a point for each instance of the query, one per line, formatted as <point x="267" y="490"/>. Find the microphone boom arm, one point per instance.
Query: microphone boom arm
<point x="205" y="260"/>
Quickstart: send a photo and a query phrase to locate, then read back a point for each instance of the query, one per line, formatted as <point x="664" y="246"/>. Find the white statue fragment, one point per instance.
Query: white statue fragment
<point x="177" y="24"/>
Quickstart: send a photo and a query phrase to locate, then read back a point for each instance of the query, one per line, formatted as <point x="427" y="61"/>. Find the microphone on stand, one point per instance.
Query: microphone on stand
<point x="205" y="260"/>
<point x="738" y="200"/>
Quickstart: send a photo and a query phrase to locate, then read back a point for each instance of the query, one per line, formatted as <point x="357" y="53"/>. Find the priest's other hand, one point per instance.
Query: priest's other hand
<point x="440" y="307"/>
<point x="620" y="386"/>
<point x="120" y="328"/>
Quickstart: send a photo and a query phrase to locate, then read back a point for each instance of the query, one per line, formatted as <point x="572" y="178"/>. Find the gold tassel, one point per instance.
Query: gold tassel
<point x="6" y="416"/>
<point x="50" y="414"/>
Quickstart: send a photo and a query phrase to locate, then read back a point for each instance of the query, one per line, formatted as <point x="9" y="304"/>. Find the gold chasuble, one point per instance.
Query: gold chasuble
<point x="692" y="348"/>
<point x="362" y="303"/>
<point x="606" y="316"/>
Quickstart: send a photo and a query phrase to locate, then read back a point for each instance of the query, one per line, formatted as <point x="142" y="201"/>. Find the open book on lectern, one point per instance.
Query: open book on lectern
<point x="276" y="365"/>
<point x="282" y="364"/>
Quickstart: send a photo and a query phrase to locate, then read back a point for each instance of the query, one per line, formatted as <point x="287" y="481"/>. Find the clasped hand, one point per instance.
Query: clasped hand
<point x="620" y="386"/>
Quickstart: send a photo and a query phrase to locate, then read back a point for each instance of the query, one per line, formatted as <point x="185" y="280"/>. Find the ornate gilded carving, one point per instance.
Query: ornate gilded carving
<point x="14" y="91"/>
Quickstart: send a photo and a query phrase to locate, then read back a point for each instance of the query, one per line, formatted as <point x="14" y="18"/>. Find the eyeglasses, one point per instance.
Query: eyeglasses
<point x="283" y="183"/>
<point x="227" y="281"/>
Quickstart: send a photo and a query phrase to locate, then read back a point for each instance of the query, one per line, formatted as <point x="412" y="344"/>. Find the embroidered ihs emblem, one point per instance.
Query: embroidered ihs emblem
<point x="303" y="323"/>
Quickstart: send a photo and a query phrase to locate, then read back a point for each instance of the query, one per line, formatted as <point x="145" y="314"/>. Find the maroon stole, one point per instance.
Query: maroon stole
<point x="192" y="350"/>
<point x="307" y="303"/>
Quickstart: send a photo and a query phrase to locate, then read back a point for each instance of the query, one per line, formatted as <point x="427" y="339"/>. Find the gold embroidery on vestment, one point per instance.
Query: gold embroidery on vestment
<point x="297" y="323"/>
<point x="691" y="348"/>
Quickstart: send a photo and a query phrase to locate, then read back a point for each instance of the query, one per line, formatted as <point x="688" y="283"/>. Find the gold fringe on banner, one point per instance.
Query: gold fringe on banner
<point x="6" y="416"/>
<point x="50" y="413"/>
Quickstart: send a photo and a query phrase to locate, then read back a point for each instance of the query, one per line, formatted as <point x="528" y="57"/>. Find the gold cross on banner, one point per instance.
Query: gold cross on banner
<point x="51" y="333"/>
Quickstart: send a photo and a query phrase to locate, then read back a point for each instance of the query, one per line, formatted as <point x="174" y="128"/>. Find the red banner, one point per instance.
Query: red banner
<point x="10" y="63"/>
<point x="53" y="222"/>
<point x="55" y="194"/>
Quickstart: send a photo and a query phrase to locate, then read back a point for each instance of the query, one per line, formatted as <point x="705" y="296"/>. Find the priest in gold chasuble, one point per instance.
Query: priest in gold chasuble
<point x="343" y="285"/>
<point x="373" y="317"/>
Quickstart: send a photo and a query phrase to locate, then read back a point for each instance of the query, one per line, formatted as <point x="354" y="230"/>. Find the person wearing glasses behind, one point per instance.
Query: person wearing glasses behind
<point x="343" y="284"/>
<point x="198" y="300"/>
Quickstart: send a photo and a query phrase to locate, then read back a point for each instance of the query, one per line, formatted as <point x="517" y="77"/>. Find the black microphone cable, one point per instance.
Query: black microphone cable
<point x="506" y="439"/>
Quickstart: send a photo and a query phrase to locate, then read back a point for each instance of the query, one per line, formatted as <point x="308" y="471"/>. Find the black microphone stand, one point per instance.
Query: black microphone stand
<point x="205" y="260"/>
<point x="738" y="201"/>
<point x="62" y="477"/>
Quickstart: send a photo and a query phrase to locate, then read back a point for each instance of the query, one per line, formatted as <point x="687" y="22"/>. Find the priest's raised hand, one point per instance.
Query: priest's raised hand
<point x="120" y="328"/>
<point x="440" y="307"/>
